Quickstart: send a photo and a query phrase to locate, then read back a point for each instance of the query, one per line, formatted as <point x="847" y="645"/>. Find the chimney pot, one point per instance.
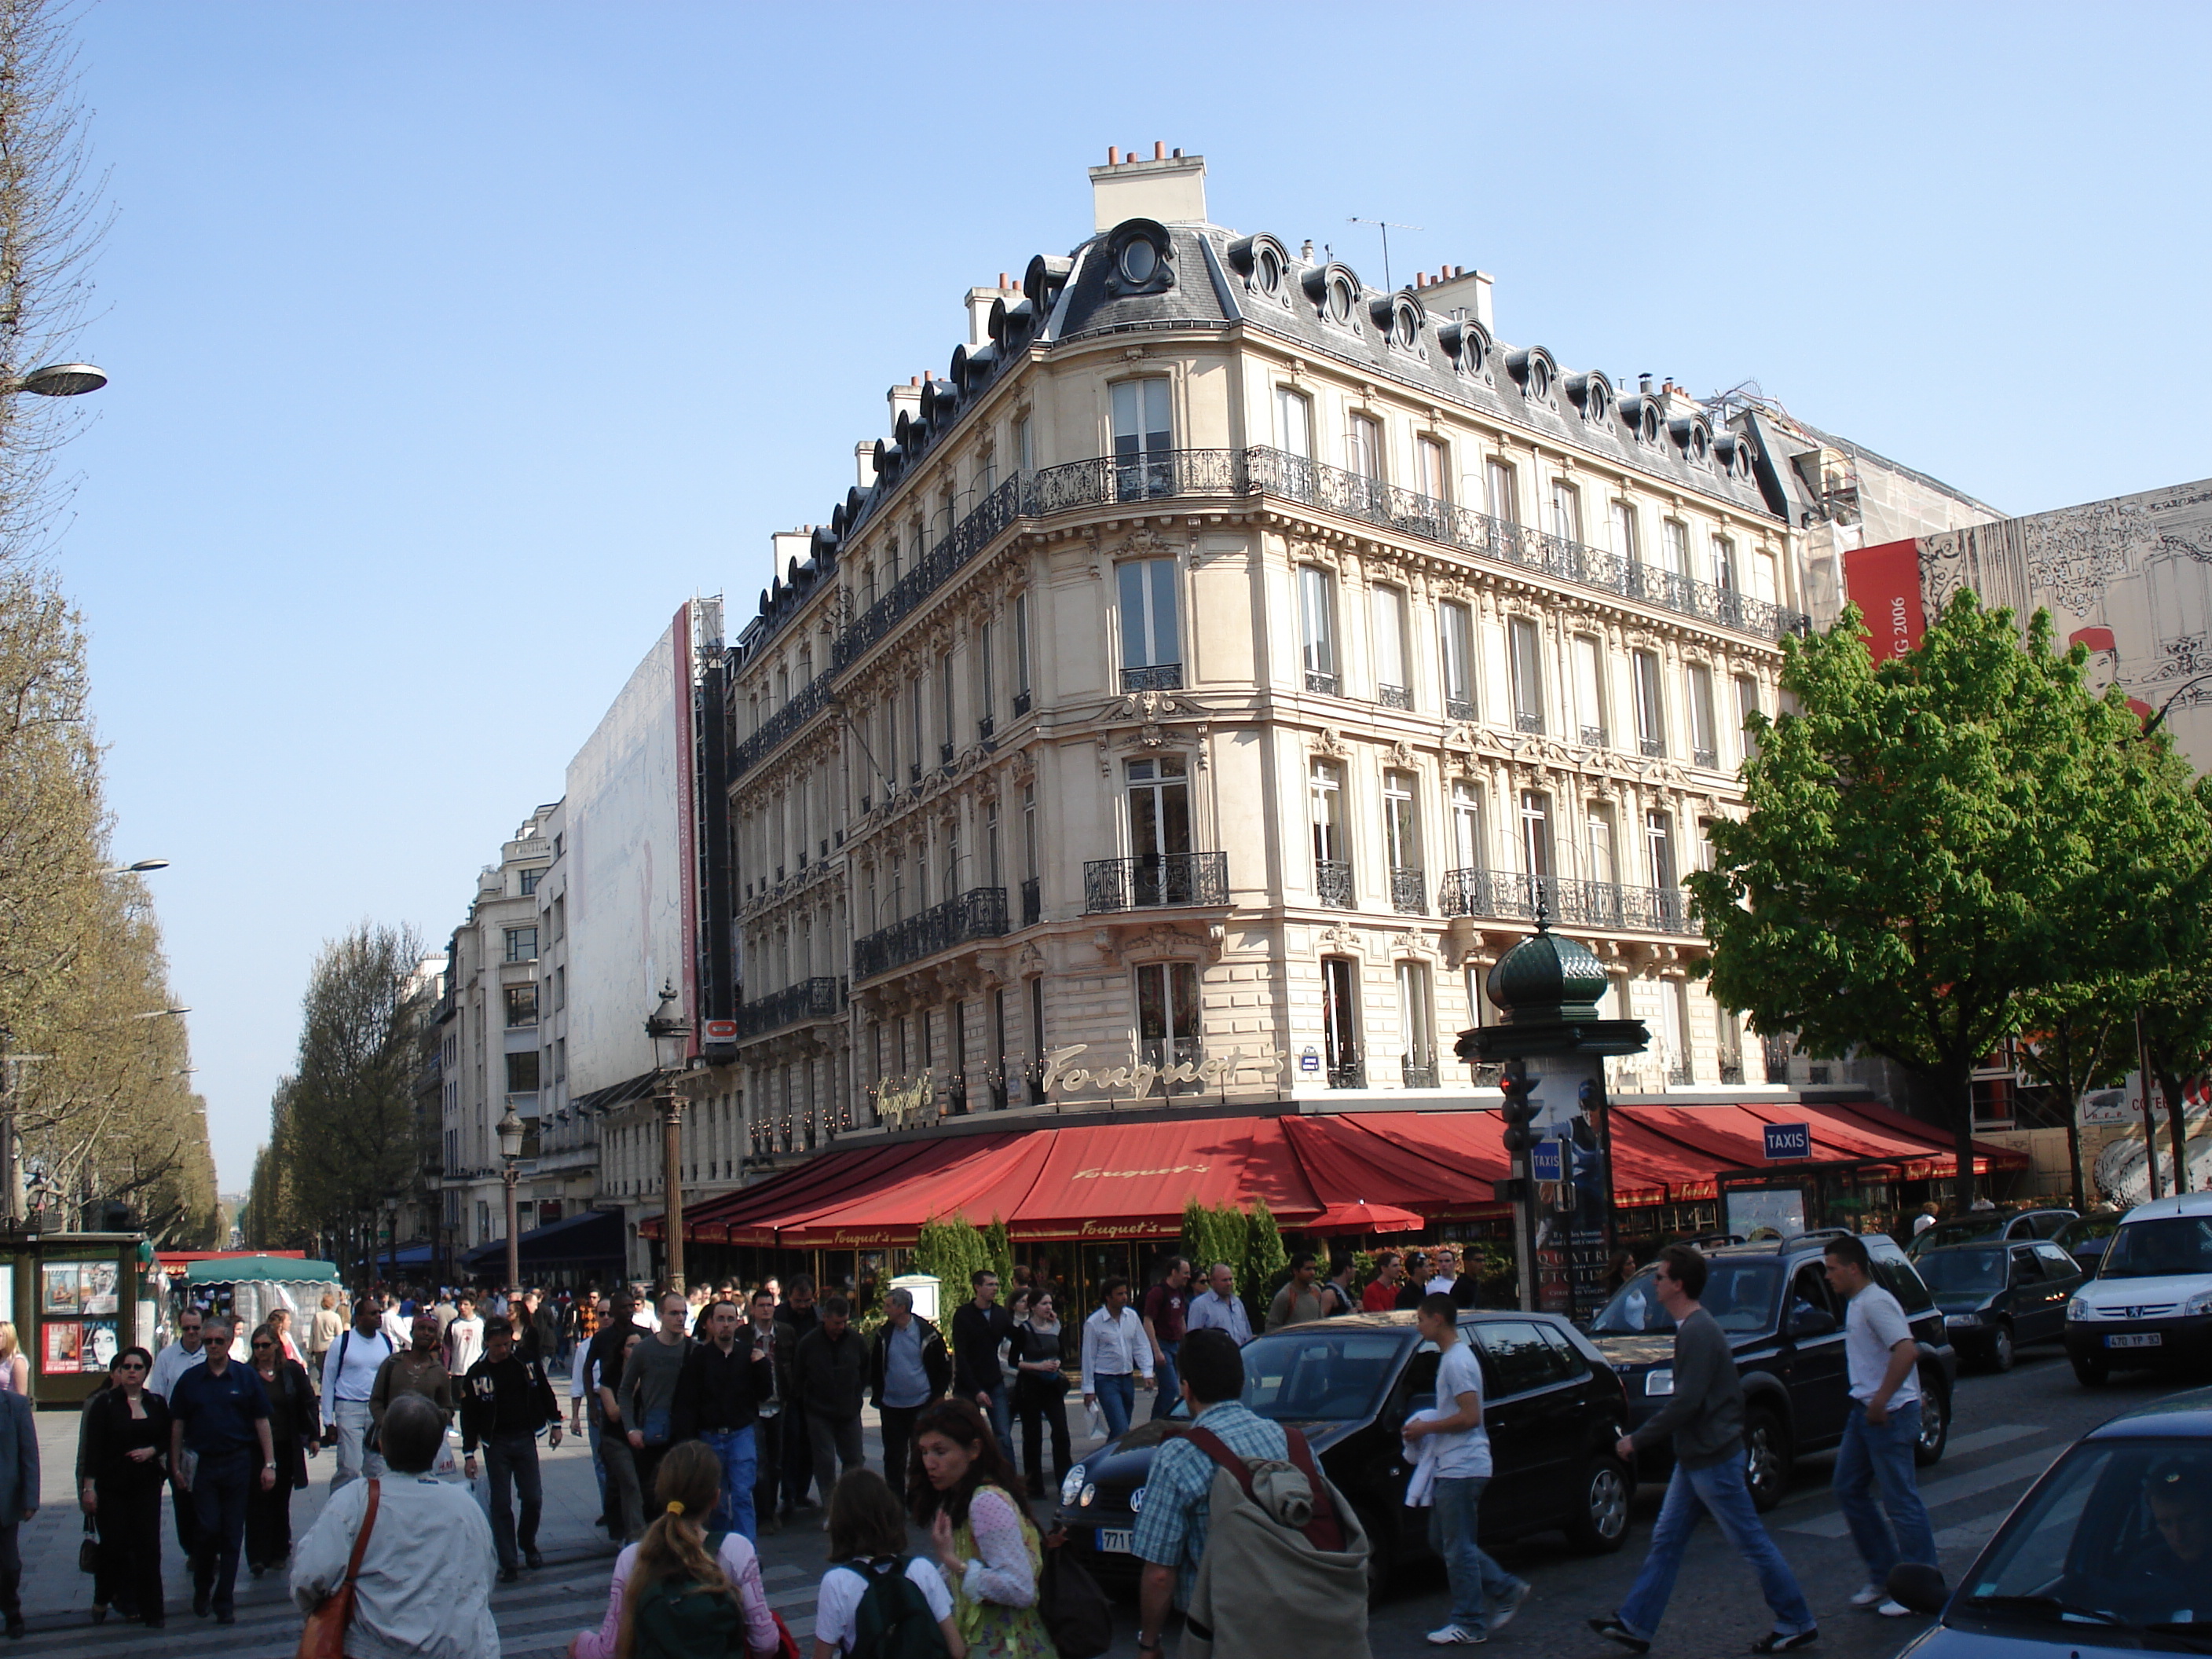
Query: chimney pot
<point x="1159" y="150"/>
<point x="1002" y="280"/>
<point x="1113" y="155"/>
<point x="914" y="379"/>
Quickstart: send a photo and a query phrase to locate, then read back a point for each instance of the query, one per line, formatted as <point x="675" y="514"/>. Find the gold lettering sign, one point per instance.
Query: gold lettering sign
<point x="1209" y="1071"/>
<point x="901" y="1101"/>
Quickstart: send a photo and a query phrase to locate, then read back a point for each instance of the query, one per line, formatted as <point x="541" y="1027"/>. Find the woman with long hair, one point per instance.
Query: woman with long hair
<point x="295" y="1435"/>
<point x="15" y="1369"/>
<point x="1040" y="1389"/>
<point x="678" y="1558"/>
<point x="867" y="1540"/>
<point x="126" y="1440"/>
<point x="965" y="1491"/>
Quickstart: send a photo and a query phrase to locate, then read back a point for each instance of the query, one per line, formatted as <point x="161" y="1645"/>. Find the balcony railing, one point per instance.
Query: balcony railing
<point x="1032" y="902"/>
<point x="1394" y="696"/>
<point x="1352" y="1074"/>
<point x="1525" y="719"/>
<point x="1593" y="736"/>
<point x="1327" y="684"/>
<point x="1581" y="904"/>
<point x="1409" y="890"/>
<point x="931" y="571"/>
<point x="1652" y="746"/>
<point x="1155" y="677"/>
<point x="1332" y="881"/>
<point x="1418" y="1073"/>
<point x="979" y="912"/>
<point x="1154" y="880"/>
<point x="1459" y="708"/>
<point x="810" y="702"/>
<point x="1708" y="758"/>
<point x="819" y="998"/>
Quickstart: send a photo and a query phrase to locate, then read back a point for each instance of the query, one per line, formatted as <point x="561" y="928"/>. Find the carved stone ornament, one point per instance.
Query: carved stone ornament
<point x="1329" y="743"/>
<point x="1031" y="960"/>
<point x="1024" y="766"/>
<point x="1402" y="756"/>
<point x="1161" y="941"/>
<point x="1339" y="938"/>
<point x="1147" y="543"/>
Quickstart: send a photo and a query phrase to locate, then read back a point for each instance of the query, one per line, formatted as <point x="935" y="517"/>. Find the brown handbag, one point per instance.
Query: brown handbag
<point x="324" y="1635"/>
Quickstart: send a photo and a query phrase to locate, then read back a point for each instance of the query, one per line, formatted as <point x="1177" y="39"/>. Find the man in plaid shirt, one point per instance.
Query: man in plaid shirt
<point x="1171" y="1533"/>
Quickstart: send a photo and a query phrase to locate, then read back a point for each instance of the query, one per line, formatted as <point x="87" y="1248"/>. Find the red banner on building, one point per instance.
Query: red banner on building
<point x="1884" y="582"/>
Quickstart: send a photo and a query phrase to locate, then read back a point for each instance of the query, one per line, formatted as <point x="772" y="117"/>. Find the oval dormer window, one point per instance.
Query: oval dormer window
<point x="1538" y="385"/>
<point x="1595" y="402"/>
<point x="1698" y="444"/>
<point x="1141" y="261"/>
<point x="1340" y="301"/>
<point x="1267" y="271"/>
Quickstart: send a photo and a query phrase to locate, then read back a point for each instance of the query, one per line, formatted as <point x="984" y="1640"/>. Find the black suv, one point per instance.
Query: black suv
<point x="1553" y="1407"/>
<point x="1787" y="1328"/>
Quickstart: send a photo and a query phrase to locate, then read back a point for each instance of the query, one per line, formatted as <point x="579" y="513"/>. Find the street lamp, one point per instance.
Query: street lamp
<point x="57" y="380"/>
<point x="138" y="869"/>
<point x="392" y="1233"/>
<point x="672" y="1042"/>
<point x="509" y="1130"/>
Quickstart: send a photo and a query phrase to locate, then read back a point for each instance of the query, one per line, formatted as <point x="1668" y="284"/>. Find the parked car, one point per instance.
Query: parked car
<point x="1553" y="1407"/>
<point x="1998" y="1295"/>
<point x="2085" y="1237"/>
<point x="2151" y="1301"/>
<point x="2109" y="1549"/>
<point x="1990" y="1224"/>
<point x="1787" y="1328"/>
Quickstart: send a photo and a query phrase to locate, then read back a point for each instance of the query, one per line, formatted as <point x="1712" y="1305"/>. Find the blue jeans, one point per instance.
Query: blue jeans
<point x="1117" y="1398"/>
<point x="1475" y="1578"/>
<point x="1690" y="1495"/>
<point x="1002" y="1417"/>
<point x="1881" y="1455"/>
<point x="1169" y="1392"/>
<point x="592" y="1415"/>
<point x="734" y="1509"/>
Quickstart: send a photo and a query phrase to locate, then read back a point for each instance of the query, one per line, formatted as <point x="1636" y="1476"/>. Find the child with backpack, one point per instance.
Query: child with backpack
<point x="877" y="1603"/>
<point x="682" y="1592"/>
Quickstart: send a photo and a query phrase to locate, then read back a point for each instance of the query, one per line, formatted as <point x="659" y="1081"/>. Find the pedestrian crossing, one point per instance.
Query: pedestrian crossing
<point x="2008" y="1476"/>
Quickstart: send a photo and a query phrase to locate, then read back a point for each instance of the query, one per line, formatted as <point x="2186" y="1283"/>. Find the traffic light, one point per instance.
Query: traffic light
<point x="1520" y="1108"/>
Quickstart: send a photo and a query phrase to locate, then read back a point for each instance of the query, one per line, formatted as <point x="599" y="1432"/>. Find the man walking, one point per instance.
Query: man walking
<point x="1164" y="1309"/>
<point x="718" y="1396"/>
<point x="221" y="1414"/>
<point x="19" y="1501"/>
<point x="1382" y="1293"/>
<point x="1219" y="1308"/>
<point x="979" y="1325"/>
<point x="1883" y="1361"/>
<point x="349" y="1380"/>
<point x="1705" y="1415"/>
<point x="908" y="1369"/>
<point x="465" y="1337"/>
<point x="1113" y="1352"/>
<point x="505" y="1399"/>
<point x="603" y="1358"/>
<point x="770" y="1414"/>
<point x="418" y="1369"/>
<point x="1300" y="1299"/>
<point x="169" y="1367"/>
<point x="1336" y="1296"/>
<point x="832" y="1369"/>
<point x="795" y="1317"/>
<point x="321" y="1333"/>
<point x="1458" y="1465"/>
<point x="648" y="1391"/>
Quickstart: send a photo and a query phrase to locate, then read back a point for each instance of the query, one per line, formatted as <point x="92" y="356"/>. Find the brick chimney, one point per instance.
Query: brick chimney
<point x="1170" y="188"/>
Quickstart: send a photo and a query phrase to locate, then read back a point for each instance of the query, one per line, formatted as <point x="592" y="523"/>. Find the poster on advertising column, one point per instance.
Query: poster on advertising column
<point x="1573" y="1187"/>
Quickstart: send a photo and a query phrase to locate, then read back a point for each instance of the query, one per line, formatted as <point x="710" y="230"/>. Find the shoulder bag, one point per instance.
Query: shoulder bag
<point x="324" y="1635"/>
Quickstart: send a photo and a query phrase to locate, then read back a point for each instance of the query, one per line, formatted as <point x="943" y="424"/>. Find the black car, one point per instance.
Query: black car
<point x="1551" y="1406"/>
<point x="1998" y="1295"/>
<point x="1981" y="1224"/>
<point x="1787" y="1328"/>
<point x="2085" y="1239"/>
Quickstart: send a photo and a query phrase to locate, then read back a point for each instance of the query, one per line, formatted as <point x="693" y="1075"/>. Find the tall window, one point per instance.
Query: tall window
<point x="1152" y="646"/>
<point x="1167" y="1018"/>
<point x="1036" y="1018"/>
<point x="1432" y="475"/>
<point x="522" y="1005"/>
<point x="1746" y="705"/>
<point x="1455" y="623"/>
<point x="994" y="869"/>
<point x="1501" y="499"/>
<point x="1332" y="866"/>
<point x="913" y="707"/>
<point x="1158" y="798"/>
<point x="950" y="734"/>
<point x="1143" y="435"/>
<point x="1604" y="860"/>
<point x="987" y="660"/>
<point x="1650" y="712"/>
<point x="1675" y="544"/>
<point x="1625" y="545"/>
<point x="1659" y="850"/>
<point x="1393" y="688"/>
<point x="1029" y="830"/>
<point x="1566" y="511"/>
<point x="522" y="945"/>
<point x="1705" y="734"/>
<point x="1469" y="847"/>
<point x="1024" y="449"/>
<point x="1364" y="446"/>
<point x="1294" y="422"/>
<point x="1317" y="629"/>
<point x="1762" y="576"/>
<point x="1535" y="834"/>
<point x="1526" y="663"/>
<point x="1724" y="573"/>
<point x="1416" y="1031"/>
<point x="1589" y="689"/>
<point x="1339" y="1022"/>
<point x="1402" y="844"/>
<point x="529" y="879"/>
<point x="1021" y="654"/>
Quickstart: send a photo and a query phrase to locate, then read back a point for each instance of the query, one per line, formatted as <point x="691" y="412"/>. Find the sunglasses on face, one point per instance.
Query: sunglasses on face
<point x="132" y="1365"/>
<point x="264" y="1345"/>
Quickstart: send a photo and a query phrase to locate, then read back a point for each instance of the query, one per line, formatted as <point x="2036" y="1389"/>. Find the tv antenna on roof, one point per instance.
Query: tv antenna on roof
<point x="1386" y="226"/>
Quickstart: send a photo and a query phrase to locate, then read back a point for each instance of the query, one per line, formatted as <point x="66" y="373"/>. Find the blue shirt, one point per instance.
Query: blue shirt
<point x="219" y="1413"/>
<point x="1171" y="1530"/>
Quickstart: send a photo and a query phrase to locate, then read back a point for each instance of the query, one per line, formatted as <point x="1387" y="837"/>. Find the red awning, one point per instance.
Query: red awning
<point x="1133" y="1180"/>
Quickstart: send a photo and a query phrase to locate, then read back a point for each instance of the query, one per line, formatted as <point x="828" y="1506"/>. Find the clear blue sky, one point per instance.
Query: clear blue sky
<point x="453" y="346"/>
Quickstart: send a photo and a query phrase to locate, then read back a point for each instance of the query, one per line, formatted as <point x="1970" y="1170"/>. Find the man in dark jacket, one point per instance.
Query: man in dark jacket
<point x="718" y="1397"/>
<point x="908" y="1368"/>
<point x="831" y="1371"/>
<point x="505" y="1399"/>
<point x="795" y="1317"/>
<point x="19" y="1500"/>
<point x="979" y="1325"/>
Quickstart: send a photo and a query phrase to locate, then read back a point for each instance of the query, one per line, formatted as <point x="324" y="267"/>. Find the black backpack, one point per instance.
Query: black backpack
<point x="893" y="1621"/>
<point x="678" y="1620"/>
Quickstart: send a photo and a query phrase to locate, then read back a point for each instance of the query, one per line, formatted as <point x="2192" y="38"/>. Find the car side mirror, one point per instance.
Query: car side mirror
<point x="1811" y="1322"/>
<point x="1918" y="1587"/>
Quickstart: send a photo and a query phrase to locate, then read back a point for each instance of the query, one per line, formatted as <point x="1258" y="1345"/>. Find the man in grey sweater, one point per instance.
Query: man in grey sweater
<point x="1705" y="1417"/>
<point x="649" y="1394"/>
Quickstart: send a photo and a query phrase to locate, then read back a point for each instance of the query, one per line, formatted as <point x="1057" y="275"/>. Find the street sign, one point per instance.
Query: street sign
<point x="1786" y="1141"/>
<point x="1309" y="1059"/>
<point x="1544" y="1161"/>
<point x="2100" y="1106"/>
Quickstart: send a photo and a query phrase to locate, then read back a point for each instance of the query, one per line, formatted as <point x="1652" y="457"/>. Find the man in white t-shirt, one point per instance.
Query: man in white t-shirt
<point x="348" y="1377"/>
<point x="1883" y="1361"/>
<point x="1461" y="1462"/>
<point x="465" y="1337"/>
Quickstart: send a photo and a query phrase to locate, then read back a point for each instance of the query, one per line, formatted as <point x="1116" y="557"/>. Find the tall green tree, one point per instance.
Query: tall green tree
<point x="1933" y="842"/>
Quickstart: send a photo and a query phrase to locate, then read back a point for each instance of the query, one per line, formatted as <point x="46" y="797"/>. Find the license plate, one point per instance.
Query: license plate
<point x="1115" y="1541"/>
<point x="2138" y="1340"/>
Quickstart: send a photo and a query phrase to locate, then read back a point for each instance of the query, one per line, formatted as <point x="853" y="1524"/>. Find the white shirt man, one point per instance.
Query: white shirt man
<point x="349" y="1376"/>
<point x="1882" y="1361"/>
<point x="179" y="1356"/>
<point x="464" y="1338"/>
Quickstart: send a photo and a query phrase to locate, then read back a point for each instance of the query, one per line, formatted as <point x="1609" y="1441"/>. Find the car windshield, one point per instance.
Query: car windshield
<point x="1961" y="1231"/>
<point x="1963" y="1270"/>
<point x="1320" y="1372"/>
<point x="2087" y="1230"/>
<point x="2119" y="1536"/>
<point x="1739" y="1294"/>
<point x="2155" y="1248"/>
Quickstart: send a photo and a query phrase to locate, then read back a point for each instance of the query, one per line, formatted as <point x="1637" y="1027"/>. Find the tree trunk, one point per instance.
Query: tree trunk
<point x="1959" y="1096"/>
<point x="2177" y="1132"/>
<point x="2078" y="1182"/>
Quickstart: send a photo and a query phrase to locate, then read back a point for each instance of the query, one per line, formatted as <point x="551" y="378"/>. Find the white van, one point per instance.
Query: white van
<point x="2151" y="1301"/>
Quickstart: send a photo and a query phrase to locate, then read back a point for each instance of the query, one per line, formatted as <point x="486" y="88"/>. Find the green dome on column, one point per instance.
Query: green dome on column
<point x="1546" y="979"/>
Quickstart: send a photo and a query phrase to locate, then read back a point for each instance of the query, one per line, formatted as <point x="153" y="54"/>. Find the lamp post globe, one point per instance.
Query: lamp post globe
<point x="63" y="381"/>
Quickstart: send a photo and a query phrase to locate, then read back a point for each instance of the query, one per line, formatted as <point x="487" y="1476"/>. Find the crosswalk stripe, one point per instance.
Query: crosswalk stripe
<point x="1965" y="1445"/>
<point x="1935" y="1493"/>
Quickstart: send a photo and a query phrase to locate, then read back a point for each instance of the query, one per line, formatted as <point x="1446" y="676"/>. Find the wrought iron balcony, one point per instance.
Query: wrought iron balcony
<point x="1394" y="696"/>
<point x="1653" y="746"/>
<point x="979" y="912"/>
<point x="1409" y="890"/>
<point x="1527" y="719"/>
<point x="1352" y="1074"/>
<point x="810" y="700"/>
<point x="820" y="998"/>
<point x="1021" y="703"/>
<point x="1679" y="1074"/>
<point x="995" y="513"/>
<point x="1155" y="880"/>
<point x="944" y="754"/>
<point x="1417" y="1073"/>
<point x="1032" y="902"/>
<point x="1459" y="708"/>
<point x="1332" y="881"/>
<point x="1732" y="1069"/>
<point x="1327" y="684"/>
<point x="984" y="727"/>
<point x="1474" y="892"/>
<point x="1155" y="677"/>
<point x="1593" y="736"/>
<point x="1708" y="758"/>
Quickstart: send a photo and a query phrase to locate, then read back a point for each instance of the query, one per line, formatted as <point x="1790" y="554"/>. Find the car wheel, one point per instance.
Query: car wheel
<point x="2001" y="1348"/>
<point x="2092" y="1373"/>
<point x="1766" y="1457"/>
<point x="1598" y="1524"/>
<point x="1934" y="1422"/>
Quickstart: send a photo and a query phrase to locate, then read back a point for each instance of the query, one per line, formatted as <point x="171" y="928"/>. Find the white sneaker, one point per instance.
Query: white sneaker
<point x="1869" y="1596"/>
<point x="1451" y="1636"/>
<point x="1501" y="1614"/>
<point x="1893" y="1610"/>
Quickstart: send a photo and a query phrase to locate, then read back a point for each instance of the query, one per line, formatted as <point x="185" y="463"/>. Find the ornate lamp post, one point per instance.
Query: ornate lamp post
<point x="509" y="1130"/>
<point x="672" y="1042"/>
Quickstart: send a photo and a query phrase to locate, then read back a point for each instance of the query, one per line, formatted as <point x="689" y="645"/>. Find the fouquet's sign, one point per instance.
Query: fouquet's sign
<point x="1140" y="1078"/>
<point x="903" y="1101"/>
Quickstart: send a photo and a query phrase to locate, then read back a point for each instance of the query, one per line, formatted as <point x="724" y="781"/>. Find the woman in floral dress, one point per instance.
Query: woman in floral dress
<point x="965" y="1491"/>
